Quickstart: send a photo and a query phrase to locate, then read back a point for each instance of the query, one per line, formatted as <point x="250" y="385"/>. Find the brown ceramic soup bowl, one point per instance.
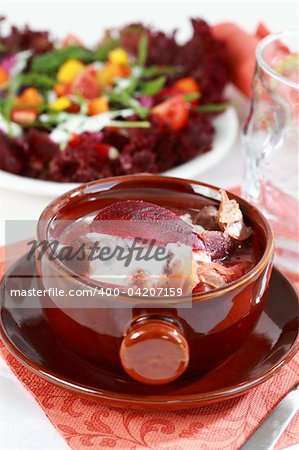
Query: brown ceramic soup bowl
<point x="126" y="335"/>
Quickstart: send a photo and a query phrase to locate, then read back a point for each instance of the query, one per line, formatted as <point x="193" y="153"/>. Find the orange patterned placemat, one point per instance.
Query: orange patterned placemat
<point x="88" y="424"/>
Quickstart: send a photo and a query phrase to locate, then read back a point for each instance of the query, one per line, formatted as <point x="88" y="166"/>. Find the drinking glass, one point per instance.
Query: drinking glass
<point x="270" y="139"/>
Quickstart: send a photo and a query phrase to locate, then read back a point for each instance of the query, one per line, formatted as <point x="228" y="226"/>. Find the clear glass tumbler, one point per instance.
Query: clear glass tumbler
<point x="271" y="142"/>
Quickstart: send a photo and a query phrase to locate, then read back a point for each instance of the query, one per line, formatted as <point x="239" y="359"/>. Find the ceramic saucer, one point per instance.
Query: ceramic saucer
<point x="29" y="338"/>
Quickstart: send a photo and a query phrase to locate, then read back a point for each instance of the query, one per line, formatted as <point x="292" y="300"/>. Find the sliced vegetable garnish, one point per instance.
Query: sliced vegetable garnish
<point x="174" y="112"/>
<point x="139" y="218"/>
<point x="85" y="84"/>
<point x="152" y="87"/>
<point x="37" y="79"/>
<point x="152" y="71"/>
<point x="29" y="98"/>
<point x="4" y="78"/>
<point x="214" y="107"/>
<point x="187" y="84"/>
<point x="97" y="106"/>
<point x="118" y="56"/>
<point x="192" y="96"/>
<point x="23" y="116"/>
<point x="129" y="124"/>
<point x="68" y="71"/>
<point x="142" y="51"/>
<point x="125" y="99"/>
<point x="14" y="85"/>
<point x="101" y="53"/>
<point x="50" y="62"/>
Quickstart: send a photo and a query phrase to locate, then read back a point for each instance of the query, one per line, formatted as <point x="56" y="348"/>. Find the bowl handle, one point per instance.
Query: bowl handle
<point x="154" y="351"/>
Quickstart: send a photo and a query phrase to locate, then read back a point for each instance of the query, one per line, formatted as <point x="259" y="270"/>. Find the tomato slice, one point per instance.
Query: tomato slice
<point x="86" y="84"/>
<point x="187" y="84"/>
<point x="74" y="108"/>
<point x="173" y="111"/>
<point x="24" y="116"/>
<point x="75" y="140"/>
<point x="103" y="151"/>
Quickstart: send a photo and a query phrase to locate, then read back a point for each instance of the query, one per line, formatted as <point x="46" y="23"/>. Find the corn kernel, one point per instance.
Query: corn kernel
<point x="60" y="104"/>
<point x="118" y="56"/>
<point x="69" y="70"/>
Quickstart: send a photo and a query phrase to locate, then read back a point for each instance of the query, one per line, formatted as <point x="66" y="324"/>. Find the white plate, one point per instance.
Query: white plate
<point x="226" y="132"/>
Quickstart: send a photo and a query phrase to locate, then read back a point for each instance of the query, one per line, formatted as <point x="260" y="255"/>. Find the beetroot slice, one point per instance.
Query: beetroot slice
<point x="41" y="146"/>
<point x="137" y="218"/>
<point x="135" y="210"/>
<point x="11" y="154"/>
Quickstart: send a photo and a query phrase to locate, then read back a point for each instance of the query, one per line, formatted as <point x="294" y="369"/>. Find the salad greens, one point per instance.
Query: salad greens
<point x="80" y="82"/>
<point x="214" y="107"/>
<point x="142" y="51"/>
<point x="50" y="62"/>
<point x="138" y="101"/>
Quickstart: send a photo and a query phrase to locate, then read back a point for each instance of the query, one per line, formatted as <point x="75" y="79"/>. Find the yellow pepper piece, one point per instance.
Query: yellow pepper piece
<point x="69" y="70"/>
<point x="4" y="78"/>
<point x="110" y="71"/>
<point x="118" y="56"/>
<point x="60" y="104"/>
<point x="104" y="77"/>
<point x="29" y="98"/>
<point x="97" y="105"/>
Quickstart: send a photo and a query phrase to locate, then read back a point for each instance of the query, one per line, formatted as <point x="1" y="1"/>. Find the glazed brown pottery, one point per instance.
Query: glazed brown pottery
<point x="27" y="334"/>
<point x="153" y="345"/>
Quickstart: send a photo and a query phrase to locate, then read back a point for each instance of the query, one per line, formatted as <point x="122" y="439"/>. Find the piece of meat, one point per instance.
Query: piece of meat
<point x="214" y="275"/>
<point x="230" y="218"/>
<point x="209" y="276"/>
<point x="207" y="217"/>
